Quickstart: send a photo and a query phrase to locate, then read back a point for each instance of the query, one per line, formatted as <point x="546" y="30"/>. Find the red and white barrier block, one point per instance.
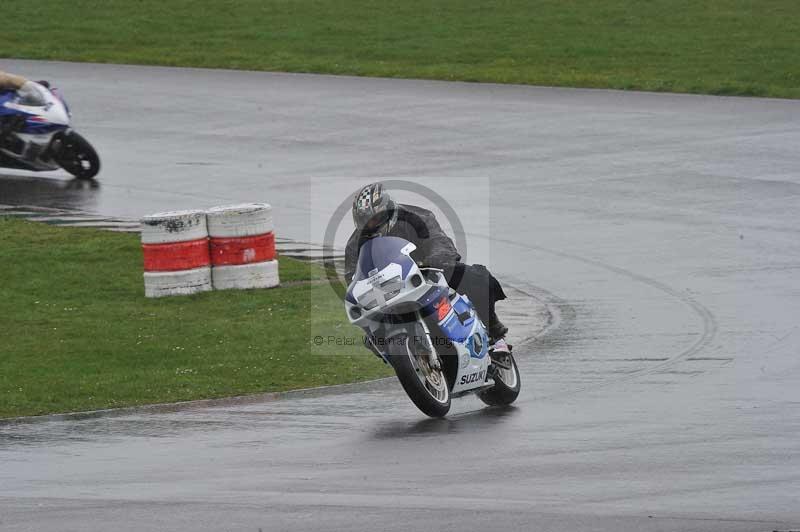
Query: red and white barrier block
<point x="242" y="247"/>
<point x="176" y="254"/>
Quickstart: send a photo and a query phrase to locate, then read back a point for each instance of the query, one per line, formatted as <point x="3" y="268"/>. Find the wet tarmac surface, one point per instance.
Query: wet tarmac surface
<point x="661" y="229"/>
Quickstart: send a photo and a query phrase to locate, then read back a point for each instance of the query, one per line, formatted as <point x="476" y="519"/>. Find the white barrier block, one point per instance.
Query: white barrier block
<point x="176" y="226"/>
<point x="248" y="219"/>
<point x="184" y="282"/>
<point x="256" y="275"/>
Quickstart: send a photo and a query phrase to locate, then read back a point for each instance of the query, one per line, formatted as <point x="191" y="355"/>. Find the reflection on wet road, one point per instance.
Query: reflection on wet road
<point x="51" y="192"/>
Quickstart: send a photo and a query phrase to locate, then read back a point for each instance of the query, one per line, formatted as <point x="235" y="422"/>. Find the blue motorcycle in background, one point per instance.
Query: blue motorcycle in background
<point x="35" y="134"/>
<point x="429" y="333"/>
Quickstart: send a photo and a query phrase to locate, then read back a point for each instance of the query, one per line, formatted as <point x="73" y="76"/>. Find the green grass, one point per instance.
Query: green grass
<point x="742" y="47"/>
<point x="77" y="333"/>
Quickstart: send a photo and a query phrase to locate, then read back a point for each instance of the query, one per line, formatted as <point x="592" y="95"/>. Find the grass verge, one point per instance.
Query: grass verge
<point x="716" y="46"/>
<point x="76" y="332"/>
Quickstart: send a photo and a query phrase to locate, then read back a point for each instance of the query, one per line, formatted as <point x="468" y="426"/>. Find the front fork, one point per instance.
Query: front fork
<point x="425" y="343"/>
<point x="419" y="334"/>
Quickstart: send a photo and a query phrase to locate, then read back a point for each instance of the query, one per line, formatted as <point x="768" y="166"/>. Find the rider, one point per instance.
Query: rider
<point x="8" y="125"/>
<point x="376" y="214"/>
<point x="11" y="81"/>
<point x="11" y="124"/>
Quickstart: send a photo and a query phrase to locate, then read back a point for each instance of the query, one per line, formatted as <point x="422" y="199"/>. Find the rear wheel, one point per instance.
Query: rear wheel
<point x="425" y="385"/>
<point x="76" y="155"/>
<point x="506" y="382"/>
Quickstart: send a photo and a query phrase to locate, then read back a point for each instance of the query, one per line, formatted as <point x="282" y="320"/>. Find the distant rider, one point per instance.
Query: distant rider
<point x="11" y="124"/>
<point x="376" y="214"/>
<point x="11" y="81"/>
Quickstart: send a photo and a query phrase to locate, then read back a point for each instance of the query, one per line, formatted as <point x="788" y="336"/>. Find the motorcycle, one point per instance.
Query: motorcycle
<point x="429" y="333"/>
<point x="35" y="133"/>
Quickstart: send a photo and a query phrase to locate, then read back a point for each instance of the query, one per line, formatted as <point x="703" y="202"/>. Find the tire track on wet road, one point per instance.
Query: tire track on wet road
<point x="568" y="316"/>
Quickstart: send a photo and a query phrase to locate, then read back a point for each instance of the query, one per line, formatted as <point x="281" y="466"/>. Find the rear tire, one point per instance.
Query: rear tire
<point x="506" y="383"/>
<point x="427" y="388"/>
<point x="77" y="156"/>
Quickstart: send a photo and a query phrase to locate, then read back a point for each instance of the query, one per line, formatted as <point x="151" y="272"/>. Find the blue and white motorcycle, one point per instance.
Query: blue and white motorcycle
<point x="429" y="333"/>
<point x="35" y="133"/>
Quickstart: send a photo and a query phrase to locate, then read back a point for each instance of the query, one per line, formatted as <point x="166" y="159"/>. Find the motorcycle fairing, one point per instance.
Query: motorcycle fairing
<point x="377" y="253"/>
<point x="382" y="280"/>
<point x="46" y="114"/>
<point x="454" y="324"/>
<point x="384" y="264"/>
<point x="44" y="110"/>
<point x="471" y="352"/>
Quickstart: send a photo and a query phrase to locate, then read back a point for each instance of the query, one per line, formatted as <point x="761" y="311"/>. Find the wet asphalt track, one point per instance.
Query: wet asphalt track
<point x="661" y="230"/>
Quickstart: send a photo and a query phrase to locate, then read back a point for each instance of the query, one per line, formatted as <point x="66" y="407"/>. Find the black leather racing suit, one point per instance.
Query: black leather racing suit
<point x="435" y="249"/>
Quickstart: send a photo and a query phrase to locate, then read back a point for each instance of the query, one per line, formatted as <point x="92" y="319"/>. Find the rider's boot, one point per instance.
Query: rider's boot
<point x="499" y="353"/>
<point x="497" y="332"/>
<point x="499" y="346"/>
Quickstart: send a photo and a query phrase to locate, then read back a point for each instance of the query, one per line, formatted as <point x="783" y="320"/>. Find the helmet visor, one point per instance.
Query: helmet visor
<point x="377" y="222"/>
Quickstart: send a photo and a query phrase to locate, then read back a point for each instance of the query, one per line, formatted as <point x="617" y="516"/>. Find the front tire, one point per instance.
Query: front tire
<point x="426" y="387"/>
<point x="506" y="383"/>
<point x="77" y="156"/>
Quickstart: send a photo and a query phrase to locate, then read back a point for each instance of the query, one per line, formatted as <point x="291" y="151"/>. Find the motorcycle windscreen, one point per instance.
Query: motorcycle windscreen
<point x="379" y="252"/>
<point x="32" y="95"/>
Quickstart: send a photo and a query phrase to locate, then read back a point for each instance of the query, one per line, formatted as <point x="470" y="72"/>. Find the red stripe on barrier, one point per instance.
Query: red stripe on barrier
<point x="176" y="256"/>
<point x="236" y="251"/>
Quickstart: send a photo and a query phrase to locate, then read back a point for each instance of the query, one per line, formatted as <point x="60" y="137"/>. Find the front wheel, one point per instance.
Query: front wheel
<point x="77" y="156"/>
<point x="506" y="382"/>
<point x="426" y="386"/>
